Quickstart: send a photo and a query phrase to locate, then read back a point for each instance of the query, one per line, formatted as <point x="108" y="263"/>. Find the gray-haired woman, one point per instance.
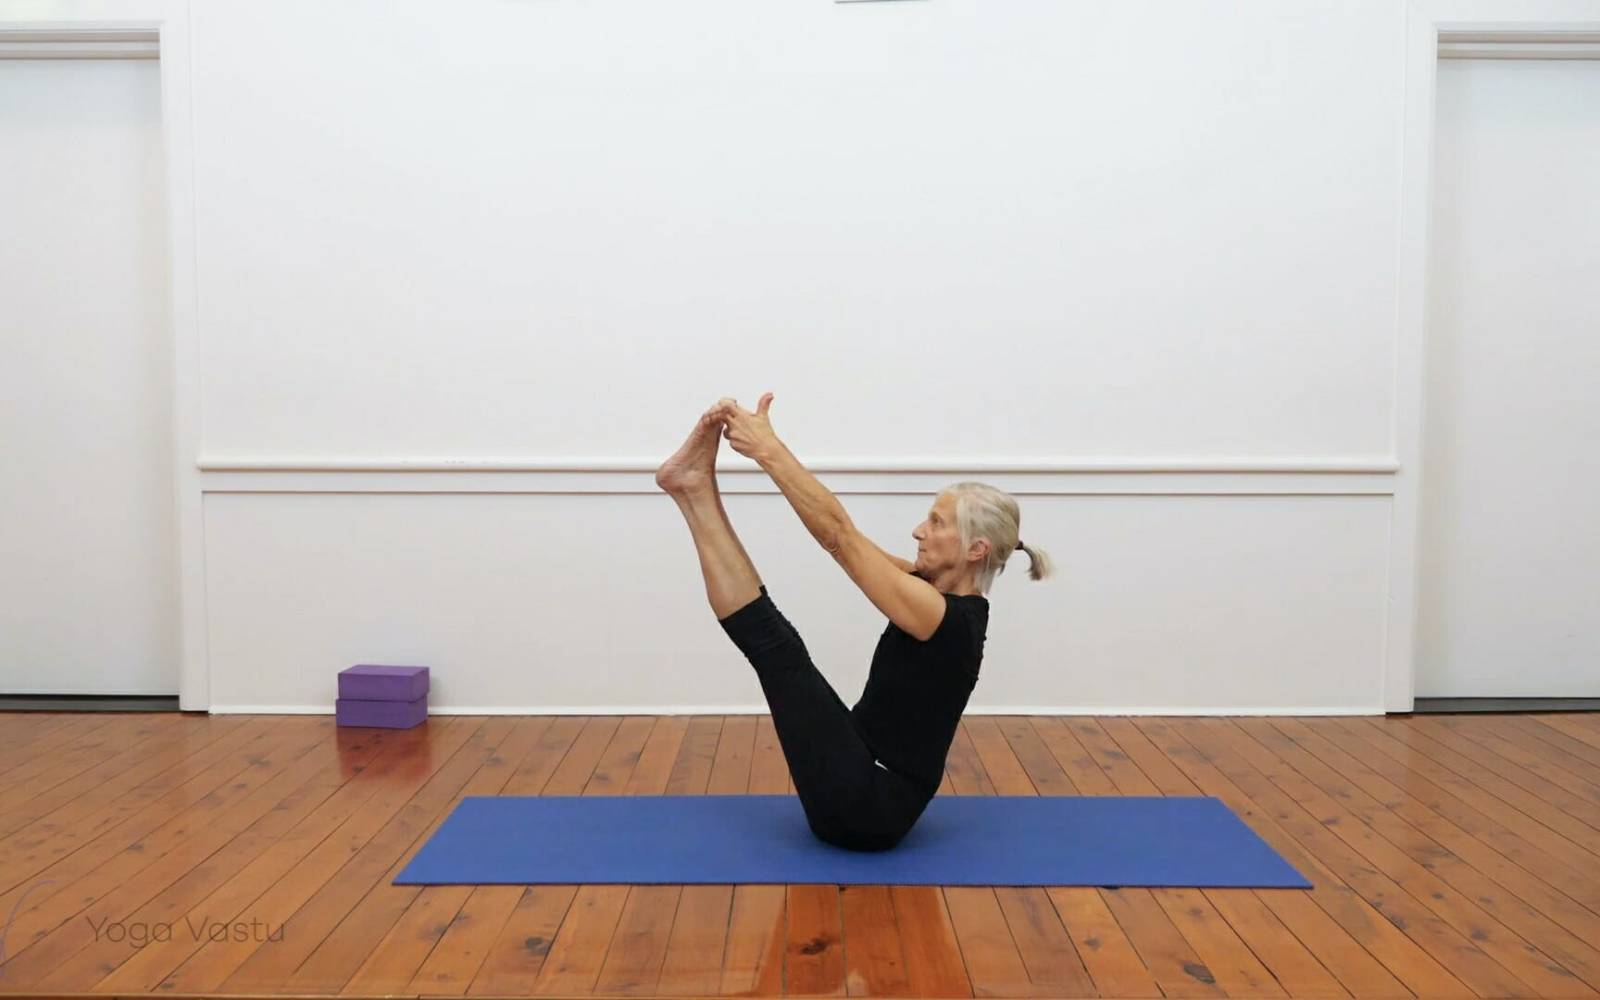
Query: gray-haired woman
<point x="863" y="775"/>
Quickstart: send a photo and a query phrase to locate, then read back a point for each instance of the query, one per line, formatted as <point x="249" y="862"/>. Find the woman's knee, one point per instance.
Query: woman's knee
<point x="764" y="635"/>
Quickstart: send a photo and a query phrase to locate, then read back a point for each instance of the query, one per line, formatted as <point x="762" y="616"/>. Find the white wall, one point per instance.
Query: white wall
<point x="1509" y="547"/>
<point x="462" y="273"/>
<point x="88" y="536"/>
<point x="945" y="231"/>
<point x="935" y="229"/>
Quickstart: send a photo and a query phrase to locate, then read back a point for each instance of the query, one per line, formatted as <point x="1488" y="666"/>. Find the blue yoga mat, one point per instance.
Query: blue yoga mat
<point x="960" y="840"/>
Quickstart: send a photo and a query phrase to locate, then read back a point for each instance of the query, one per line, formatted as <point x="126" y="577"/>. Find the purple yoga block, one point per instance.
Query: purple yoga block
<point x="382" y="714"/>
<point x="371" y="682"/>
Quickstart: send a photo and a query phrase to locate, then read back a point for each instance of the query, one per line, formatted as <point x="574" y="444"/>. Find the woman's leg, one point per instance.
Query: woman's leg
<point x="827" y="757"/>
<point x="690" y="478"/>
<point x="830" y="763"/>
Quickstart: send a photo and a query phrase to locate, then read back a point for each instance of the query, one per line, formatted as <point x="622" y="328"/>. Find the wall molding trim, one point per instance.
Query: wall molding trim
<point x="1282" y="475"/>
<point x="1471" y="44"/>
<point x="141" y="41"/>
<point x="972" y="710"/>
<point x="1286" y="463"/>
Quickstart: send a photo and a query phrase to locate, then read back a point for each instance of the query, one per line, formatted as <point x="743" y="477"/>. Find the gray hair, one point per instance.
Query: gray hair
<point x="982" y="511"/>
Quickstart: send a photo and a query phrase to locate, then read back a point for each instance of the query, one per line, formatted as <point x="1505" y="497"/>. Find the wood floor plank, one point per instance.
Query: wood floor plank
<point x="17" y="728"/>
<point x="994" y="965"/>
<point x="516" y="965"/>
<point x="638" y="950"/>
<point x="581" y="943"/>
<point x="1103" y="946"/>
<point x="573" y="964"/>
<point x="54" y="834"/>
<point x="1386" y="962"/>
<point x="697" y="932"/>
<point x="928" y="940"/>
<point x="874" y="956"/>
<point x="533" y="773"/>
<point x="1255" y="956"/>
<point x="1065" y="767"/>
<point x="1487" y="913"/>
<point x="1476" y="813"/>
<point x="1018" y="763"/>
<point x="698" y="942"/>
<point x="755" y="961"/>
<point x="381" y="945"/>
<point x="396" y="957"/>
<point x="1166" y="952"/>
<point x="61" y="919"/>
<point x="50" y="771"/>
<point x="730" y="767"/>
<point x="1562" y="927"/>
<point x="1160" y="934"/>
<point x="1223" y="741"/>
<point x="1572" y="726"/>
<point x="1451" y="856"/>
<point x="216" y="891"/>
<point x="466" y="942"/>
<point x="1538" y="732"/>
<point x="1561" y="769"/>
<point x="1516" y="786"/>
<point x="320" y="889"/>
<point x="464" y="947"/>
<point x="698" y="938"/>
<point x="27" y="757"/>
<point x="469" y="934"/>
<point x="1048" y="949"/>
<point x="1113" y="962"/>
<point x="520" y="949"/>
<point x="726" y="937"/>
<point x="1044" y="951"/>
<point x="691" y="772"/>
<point x="653" y="772"/>
<point x="1291" y="961"/>
<point x="71" y="852"/>
<point x="456" y="925"/>
<point x="1549" y="851"/>
<point x="814" y="953"/>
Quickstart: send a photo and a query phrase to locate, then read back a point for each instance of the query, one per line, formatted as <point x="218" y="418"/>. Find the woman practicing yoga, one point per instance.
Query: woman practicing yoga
<point x="865" y="774"/>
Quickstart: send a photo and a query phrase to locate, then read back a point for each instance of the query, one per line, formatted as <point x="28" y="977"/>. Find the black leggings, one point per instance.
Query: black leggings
<point x="849" y="801"/>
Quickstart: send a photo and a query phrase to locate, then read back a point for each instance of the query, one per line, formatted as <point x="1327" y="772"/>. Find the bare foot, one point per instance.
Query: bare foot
<point x="694" y="464"/>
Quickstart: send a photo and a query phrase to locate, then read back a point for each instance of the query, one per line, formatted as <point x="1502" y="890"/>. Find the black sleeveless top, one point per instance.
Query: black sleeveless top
<point x="915" y="694"/>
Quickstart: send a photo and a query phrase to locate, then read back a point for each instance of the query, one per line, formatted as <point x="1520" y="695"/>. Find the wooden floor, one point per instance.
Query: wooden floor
<point x="1452" y="856"/>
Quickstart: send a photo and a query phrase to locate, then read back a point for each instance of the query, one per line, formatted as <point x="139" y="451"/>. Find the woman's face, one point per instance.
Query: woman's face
<point x="939" y="540"/>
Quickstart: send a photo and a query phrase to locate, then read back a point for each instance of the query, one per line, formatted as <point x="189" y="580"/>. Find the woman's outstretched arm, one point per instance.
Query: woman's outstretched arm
<point x="903" y="565"/>
<point x="752" y="436"/>
<point x="821" y="512"/>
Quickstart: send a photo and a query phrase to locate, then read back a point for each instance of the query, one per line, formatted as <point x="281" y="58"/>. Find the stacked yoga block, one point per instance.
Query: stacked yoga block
<point x="388" y="697"/>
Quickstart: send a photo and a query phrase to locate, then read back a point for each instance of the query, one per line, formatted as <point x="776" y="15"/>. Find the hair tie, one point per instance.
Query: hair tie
<point x="1020" y="546"/>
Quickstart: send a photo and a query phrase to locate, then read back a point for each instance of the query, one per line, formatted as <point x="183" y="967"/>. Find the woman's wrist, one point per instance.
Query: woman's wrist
<point x="773" y="454"/>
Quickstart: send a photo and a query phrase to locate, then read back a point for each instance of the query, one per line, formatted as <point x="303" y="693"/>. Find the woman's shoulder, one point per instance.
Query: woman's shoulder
<point x="971" y="608"/>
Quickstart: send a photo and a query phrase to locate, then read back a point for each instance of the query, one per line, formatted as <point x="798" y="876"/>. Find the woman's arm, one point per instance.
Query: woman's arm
<point x="909" y="601"/>
<point x="751" y="435"/>
<point x="901" y="564"/>
<point x="822" y="513"/>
